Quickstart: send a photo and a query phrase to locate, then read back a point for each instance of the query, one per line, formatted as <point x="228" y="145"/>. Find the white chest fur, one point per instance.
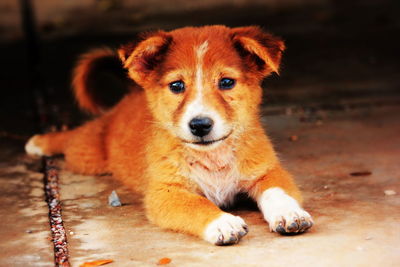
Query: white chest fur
<point x="216" y="173"/>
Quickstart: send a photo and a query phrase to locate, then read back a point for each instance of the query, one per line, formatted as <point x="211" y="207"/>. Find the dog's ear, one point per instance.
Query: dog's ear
<point x="143" y="56"/>
<point x="261" y="51"/>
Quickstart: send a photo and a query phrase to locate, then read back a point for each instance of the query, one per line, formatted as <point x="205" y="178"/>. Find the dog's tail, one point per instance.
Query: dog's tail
<point x="100" y="81"/>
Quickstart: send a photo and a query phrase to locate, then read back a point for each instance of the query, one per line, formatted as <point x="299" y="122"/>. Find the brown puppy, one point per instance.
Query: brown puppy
<point x="190" y="138"/>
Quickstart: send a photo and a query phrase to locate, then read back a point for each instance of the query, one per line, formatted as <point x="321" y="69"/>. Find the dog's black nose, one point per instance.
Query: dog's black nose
<point x="201" y="126"/>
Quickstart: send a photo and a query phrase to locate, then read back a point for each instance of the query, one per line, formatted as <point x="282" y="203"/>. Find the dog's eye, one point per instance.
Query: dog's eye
<point x="226" y="83"/>
<point x="177" y="87"/>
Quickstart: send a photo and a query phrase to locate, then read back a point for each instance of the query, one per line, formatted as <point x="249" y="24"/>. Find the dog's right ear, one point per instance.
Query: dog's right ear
<point x="143" y="56"/>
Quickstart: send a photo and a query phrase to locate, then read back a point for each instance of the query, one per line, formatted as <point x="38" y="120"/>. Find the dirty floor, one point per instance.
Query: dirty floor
<point x="344" y="162"/>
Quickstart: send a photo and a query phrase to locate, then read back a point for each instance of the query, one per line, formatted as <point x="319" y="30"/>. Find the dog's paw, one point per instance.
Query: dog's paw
<point x="31" y="147"/>
<point x="283" y="214"/>
<point x="226" y="230"/>
<point x="293" y="221"/>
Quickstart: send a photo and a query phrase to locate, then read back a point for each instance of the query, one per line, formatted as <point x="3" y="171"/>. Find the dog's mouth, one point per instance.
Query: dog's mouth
<point x="203" y="142"/>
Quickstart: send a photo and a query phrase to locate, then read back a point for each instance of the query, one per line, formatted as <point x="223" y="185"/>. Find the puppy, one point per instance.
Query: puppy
<point x="189" y="137"/>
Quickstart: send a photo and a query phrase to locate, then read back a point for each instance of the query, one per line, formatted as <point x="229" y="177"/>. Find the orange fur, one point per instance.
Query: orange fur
<point x="141" y="140"/>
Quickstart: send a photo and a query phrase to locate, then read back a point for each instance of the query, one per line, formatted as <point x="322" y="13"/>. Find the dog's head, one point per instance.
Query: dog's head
<point x="203" y="84"/>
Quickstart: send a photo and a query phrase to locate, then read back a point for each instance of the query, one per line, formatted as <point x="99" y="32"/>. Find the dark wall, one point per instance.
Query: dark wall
<point x="339" y="52"/>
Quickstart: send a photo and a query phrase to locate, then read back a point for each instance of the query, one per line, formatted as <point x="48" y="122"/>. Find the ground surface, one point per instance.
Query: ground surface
<point x="356" y="224"/>
<point x="24" y="228"/>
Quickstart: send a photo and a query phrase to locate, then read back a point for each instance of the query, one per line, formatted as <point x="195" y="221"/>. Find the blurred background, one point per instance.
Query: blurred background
<point x="340" y="54"/>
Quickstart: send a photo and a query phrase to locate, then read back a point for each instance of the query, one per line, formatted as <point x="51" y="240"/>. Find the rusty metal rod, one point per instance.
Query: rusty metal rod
<point x="59" y="237"/>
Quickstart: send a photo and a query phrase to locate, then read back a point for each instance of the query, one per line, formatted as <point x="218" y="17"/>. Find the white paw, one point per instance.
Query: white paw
<point x="226" y="230"/>
<point x="283" y="213"/>
<point x="32" y="149"/>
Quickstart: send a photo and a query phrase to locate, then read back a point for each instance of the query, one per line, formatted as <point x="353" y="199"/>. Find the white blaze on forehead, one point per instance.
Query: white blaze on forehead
<point x="199" y="107"/>
<point x="196" y="107"/>
<point x="200" y="52"/>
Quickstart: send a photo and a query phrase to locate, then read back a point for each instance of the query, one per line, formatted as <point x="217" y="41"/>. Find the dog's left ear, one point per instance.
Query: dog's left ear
<point x="261" y="51"/>
<point x="143" y="55"/>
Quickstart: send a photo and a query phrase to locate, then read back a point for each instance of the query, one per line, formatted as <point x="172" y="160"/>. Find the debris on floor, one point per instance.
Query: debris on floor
<point x="95" y="263"/>
<point x="113" y="199"/>
<point x="361" y="173"/>
<point x="164" y="261"/>
<point x="390" y="192"/>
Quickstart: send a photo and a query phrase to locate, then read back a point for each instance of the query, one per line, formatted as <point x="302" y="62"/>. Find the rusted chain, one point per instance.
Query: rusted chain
<point x="59" y="237"/>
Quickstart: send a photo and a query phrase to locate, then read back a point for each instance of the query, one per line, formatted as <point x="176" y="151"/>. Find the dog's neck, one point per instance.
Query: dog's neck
<point x="215" y="172"/>
<point x="212" y="160"/>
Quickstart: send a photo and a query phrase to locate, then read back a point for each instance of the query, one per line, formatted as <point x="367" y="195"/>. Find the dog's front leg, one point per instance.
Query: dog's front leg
<point x="280" y="200"/>
<point x="172" y="206"/>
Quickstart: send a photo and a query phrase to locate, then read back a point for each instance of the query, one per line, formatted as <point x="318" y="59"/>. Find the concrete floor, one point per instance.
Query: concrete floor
<point x="356" y="224"/>
<point x="24" y="227"/>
